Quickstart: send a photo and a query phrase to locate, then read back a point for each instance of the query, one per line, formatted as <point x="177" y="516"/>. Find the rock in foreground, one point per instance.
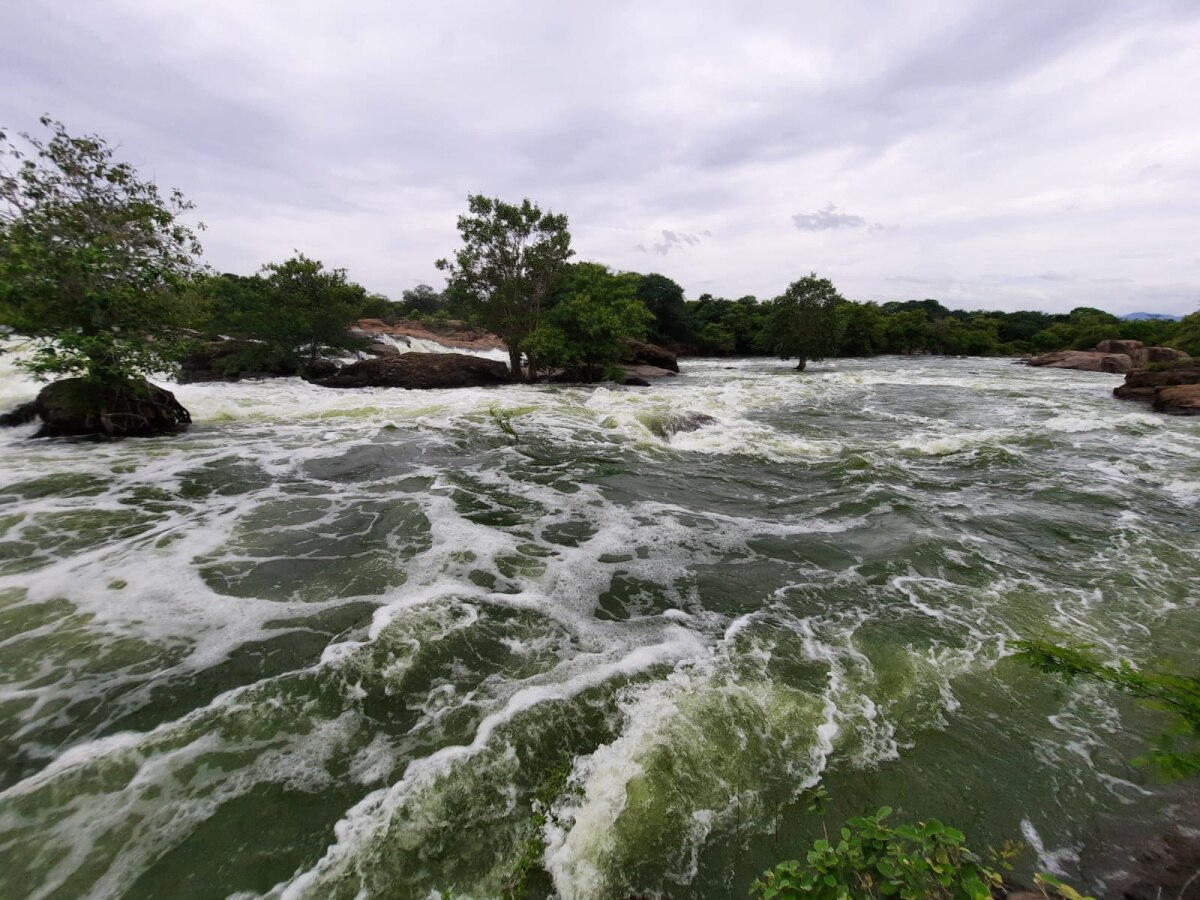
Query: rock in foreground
<point x="419" y="370"/>
<point x="1178" y="400"/>
<point x="133" y="408"/>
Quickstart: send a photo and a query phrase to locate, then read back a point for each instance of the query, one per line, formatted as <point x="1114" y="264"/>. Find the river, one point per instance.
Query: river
<point x="386" y="644"/>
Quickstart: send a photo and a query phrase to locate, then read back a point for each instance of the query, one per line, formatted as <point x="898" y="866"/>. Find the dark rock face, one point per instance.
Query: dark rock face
<point x="322" y="368"/>
<point x="1178" y="400"/>
<point x="636" y="382"/>
<point x="218" y="361"/>
<point x="1165" y="867"/>
<point x="419" y="370"/>
<point x="1164" y="354"/>
<point x="1141" y="384"/>
<point x="652" y="355"/>
<point x="134" y="408"/>
<point x="19" y="415"/>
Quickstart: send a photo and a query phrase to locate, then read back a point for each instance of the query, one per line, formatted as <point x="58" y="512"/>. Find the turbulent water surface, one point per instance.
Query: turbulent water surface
<point x="385" y="643"/>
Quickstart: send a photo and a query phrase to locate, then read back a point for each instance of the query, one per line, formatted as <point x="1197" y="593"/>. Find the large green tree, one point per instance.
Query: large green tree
<point x="664" y="298"/>
<point x="93" y="259"/>
<point x="297" y="311"/>
<point x="509" y="264"/>
<point x="586" y="329"/>
<point x="803" y="322"/>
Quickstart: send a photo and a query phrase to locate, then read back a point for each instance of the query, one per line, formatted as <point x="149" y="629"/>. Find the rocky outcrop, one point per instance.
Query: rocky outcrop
<point x="419" y="370"/>
<point x="452" y="334"/>
<point x="1085" y="360"/>
<point x="1178" y="400"/>
<point x="132" y="408"/>
<point x="231" y="360"/>
<point x="643" y="354"/>
<point x="1109" y="356"/>
<point x="644" y="371"/>
<point x="1142" y="383"/>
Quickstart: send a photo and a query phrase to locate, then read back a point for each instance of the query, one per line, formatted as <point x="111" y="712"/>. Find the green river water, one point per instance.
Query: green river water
<point x="382" y="644"/>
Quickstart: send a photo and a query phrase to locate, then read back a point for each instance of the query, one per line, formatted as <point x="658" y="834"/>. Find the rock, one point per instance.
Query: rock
<point x="1117" y="346"/>
<point x="681" y="422"/>
<point x="629" y="382"/>
<point x="231" y="360"/>
<point x="132" y="408"/>
<point x="644" y="354"/>
<point x="19" y="415"/>
<point x="379" y="348"/>
<point x="1142" y="383"/>
<point x="1085" y="360"/>
<point x="1163" y="867"/>
<point x="1164" y="354"/>
<point x="1178" y="400"/>
<point x="419" y="370"/>
<point x="643" y="371"/>
<point x="322" y="368"/>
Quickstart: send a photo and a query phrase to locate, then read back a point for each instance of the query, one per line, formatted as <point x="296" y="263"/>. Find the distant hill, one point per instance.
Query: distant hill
<point x="1159" y="317"/>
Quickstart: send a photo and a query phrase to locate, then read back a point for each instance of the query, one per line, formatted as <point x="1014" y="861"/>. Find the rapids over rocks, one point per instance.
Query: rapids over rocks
<point x="387" y="643"/>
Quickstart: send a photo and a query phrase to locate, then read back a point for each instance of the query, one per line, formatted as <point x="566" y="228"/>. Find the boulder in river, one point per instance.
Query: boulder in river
<point x="644" y="354"/>
<point x="1084" y="360"/>
<point x="678" y="423"/>
<point x="130" y="408"/>
<point x="1141" y="384"/>
<point x="419" y="370"/>
<point x="1178" y="400"/>
<point x="19" y="415"/>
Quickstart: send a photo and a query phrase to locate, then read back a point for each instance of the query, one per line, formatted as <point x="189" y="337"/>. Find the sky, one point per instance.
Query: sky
<point x="987" y="153"/>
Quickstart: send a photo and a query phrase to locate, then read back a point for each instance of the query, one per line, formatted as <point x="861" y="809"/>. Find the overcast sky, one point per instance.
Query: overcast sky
<point x="990" y="154"/>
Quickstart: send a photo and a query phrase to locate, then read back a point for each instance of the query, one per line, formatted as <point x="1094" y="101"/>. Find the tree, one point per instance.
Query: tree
<point x="511" y="258"/>
<point x="664" y="298"/>
<point x="587" y="328"/>
<point x="422" y="300"/>
<point x="803" y="322"/>
<point x="93" y="260"/>
<point x="297" y="309"/>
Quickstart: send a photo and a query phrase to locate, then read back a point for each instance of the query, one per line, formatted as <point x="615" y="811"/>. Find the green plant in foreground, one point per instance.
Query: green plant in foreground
<point x="1176" y="694"/>
<point x="872" y="858"/>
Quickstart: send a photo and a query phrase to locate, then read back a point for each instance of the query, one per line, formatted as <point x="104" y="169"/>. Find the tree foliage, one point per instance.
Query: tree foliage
<point x="803" y="322"/>
<point x="93" y="259"/>
<point x="664" y="298"/>
<point x="597" y="310"/>
<point x="297" y="310"/>
<point x="510" y="261"/>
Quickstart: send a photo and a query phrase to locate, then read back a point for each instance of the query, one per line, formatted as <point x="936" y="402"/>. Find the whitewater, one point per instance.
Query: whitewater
<point x="389" y="644"/>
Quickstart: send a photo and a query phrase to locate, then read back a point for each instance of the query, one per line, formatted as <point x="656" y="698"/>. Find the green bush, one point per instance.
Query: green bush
<point x="872" y="858"/>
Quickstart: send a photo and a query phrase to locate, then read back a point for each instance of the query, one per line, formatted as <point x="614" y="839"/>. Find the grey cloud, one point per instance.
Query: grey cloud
<point x="671" y="240"/>
<point x="829" y="219"/>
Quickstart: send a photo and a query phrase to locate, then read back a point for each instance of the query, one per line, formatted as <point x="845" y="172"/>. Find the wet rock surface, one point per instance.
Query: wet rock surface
<point x="419" y="370"/>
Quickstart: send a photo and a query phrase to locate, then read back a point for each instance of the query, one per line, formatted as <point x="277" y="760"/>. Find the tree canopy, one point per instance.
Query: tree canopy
<point x="93" y="259"/>
<point x="511" y="259"/>
<point x="296" y="309"/>
<point x="803" y="321"/>
<point x="597" y="310"/>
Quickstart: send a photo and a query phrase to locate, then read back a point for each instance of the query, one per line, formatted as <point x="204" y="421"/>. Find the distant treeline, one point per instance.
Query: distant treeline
<point x="718" y="326"/>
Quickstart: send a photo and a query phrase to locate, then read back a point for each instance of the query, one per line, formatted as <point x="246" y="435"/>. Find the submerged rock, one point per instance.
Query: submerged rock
<point x="419" y="370"/>
<point x="681" y="422"/>
<point x="133" y="408"/>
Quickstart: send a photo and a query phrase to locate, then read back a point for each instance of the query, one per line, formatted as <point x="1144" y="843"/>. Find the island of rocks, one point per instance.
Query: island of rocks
<point x="1169" y="379"/>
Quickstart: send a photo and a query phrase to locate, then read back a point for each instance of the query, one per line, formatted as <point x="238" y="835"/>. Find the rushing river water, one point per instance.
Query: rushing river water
<point x="385" y="643"/>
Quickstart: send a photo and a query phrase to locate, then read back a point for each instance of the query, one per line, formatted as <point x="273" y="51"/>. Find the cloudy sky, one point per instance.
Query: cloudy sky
<point x="990" y="154"/>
